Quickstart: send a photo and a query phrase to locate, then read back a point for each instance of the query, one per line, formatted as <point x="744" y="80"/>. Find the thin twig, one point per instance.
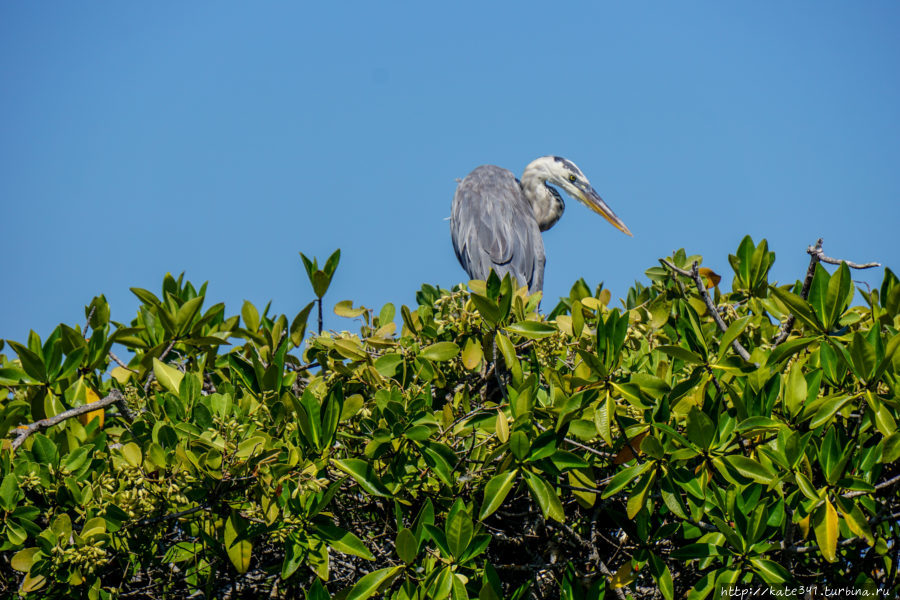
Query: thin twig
<point x="23" y="432"/>
<point x="836" y="261"/>
<point x="880" y="486"/>
<point x="169" y="517"/>
<point x="320" y="315"/>
<point x="694" y="274"/>
<point x="814" y="255"/>
<point x="119" y="362"/>
<point x="88" y="321"/>
<point x="571" y="442"/>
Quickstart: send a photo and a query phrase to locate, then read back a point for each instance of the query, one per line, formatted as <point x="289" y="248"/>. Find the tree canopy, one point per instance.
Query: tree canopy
<point x="691" y="439"/>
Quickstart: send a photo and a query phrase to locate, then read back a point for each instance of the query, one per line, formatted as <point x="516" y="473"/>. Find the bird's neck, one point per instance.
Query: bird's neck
<point x="546" y="202"/>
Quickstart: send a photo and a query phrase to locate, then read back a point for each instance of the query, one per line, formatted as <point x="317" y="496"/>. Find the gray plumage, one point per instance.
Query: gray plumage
<point x="496" y="220"/>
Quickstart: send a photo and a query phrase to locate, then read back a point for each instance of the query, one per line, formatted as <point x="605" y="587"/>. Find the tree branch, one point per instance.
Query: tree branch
<point x="816" y="255"/>
<point x="23" y="432"/>
<point x="119" y="362"/>
<point x="694" y="274"/>
<point x="880" y="486"/>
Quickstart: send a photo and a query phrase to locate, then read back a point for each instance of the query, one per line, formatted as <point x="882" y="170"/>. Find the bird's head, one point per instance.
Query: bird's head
<point x="564" y="174"/>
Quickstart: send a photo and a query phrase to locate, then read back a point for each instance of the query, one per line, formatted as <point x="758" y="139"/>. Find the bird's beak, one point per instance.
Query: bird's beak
<point x="592" y="200"/>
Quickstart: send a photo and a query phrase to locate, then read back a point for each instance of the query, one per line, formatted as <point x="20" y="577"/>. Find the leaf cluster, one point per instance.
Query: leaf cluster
<point x="472" y="448"/>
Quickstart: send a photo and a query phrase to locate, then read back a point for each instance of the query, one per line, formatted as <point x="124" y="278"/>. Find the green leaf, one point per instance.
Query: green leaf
<point x="693" y="551"/>
<point x="320" y="282"/>
<point x="663" y="577"/>
<point x="387" y="364"/>
<point x="93" y="528"/>
<point x="9" y="492"/>
<point x="32" y="364"/>
<point x="168" y="377"/>
<point x="407" y="545"/>
<point x="546" y="497"/>
<point x="472" y="354"/>
<point x="639" y="494"/>
<point x="344" y="308"/>
<point x="519" y="444"/>
<point x="495" y="492"/>
<point x="24" y="559"/>
<point x="185" y="315"/>
<point x="700" y="428"/>
<point x="239" y="550"/>
<point x="799" y="307"/>
<point x="795" y="390"/>
<point x="459" y="529"/>
<point x="132" y="454"/>
<point x="837" y="295"/>
<point x="734" y="330"/>
<point x="751" y="468"/>
<point x="44" y="450"/>
<point x="311" y="266"/>
<point x="489" y="309"/>
<point x="771" y="572"/>
<point x="441" y="585"/>
<point x="682" y="353"/>
<point x="441" y="351"/>
<point x="295" y="555"/>
<point x="827" y="410"/>
<point x="317" y="591"/>
<point x="298" y="325"/>
<point x="855" y="519"/>
<point x="343" y="541"/>
<point x="145" y="296"/>
<point x="250" y="316"/>
<point x="623" y="478"/>
<point x="369" y="584"/>
<point x="331" y="263"/>
<point x="533" y="330"/>
<point x="363" y="474"/>
<point x="862" y="357"/>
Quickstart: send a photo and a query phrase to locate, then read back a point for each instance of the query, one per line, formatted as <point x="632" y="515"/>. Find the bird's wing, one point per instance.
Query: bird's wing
<point x="493" y="227"/>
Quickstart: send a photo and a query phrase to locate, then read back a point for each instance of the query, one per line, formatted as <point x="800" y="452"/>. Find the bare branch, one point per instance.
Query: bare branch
<point x="595" y="452"/>
<point x="88" y="321"/>
<point x="694" y="274"/>
<point x="816" y="255"/>
<point x="23" y="432"/>
<point x="171" y="516"/>
<point x="119" y="362"/>
<point x="817" y="251"/>
<point x="884" y="484"/>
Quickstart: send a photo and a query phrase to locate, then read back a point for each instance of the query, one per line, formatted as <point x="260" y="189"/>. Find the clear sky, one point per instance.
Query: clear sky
<point x="221" y="138"/>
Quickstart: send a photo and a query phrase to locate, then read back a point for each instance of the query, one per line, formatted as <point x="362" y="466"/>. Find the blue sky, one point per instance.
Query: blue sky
<point x="221" y="138"/>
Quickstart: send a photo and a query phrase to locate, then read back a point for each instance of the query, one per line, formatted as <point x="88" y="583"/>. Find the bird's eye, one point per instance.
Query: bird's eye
<point x="572" y="178"/>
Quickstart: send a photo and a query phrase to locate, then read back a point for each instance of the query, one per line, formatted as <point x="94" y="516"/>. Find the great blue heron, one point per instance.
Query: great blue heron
<point x="497" y="220"/>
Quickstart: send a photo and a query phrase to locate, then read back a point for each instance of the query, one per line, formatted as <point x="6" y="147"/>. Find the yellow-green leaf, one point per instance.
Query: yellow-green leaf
<point x="121" y="374"/>
<point x="93" y="527"/>
<point x="855" y="519"/>
<point x="369" y="584"/>
<point x="502" y="427"/>
<point x="472" y="354"/>
<point x="239" y="551"/>
<point x="132" y="454"/>
<point x="23" y="559"/>
<point x="344" y="308"/>
<point x="826" y="528"/>
<point x="169" y="377"/>
<point x="440" y="351"/>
